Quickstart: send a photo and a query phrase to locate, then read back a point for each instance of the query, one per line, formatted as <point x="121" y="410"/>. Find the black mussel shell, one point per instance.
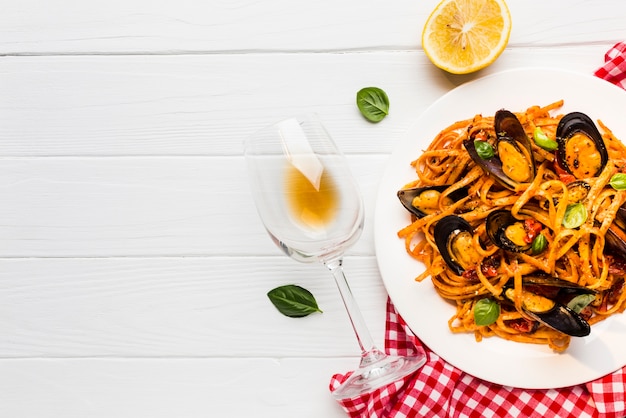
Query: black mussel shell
<point x="616" y="234"/>
<point x="560" y="285"/>
<point x="563" y="319"/>
<point x="559" y="316"/>
<point x="407" y="196"/>
<point x="578" y="191"/>
<point x="595" y="153"/>
<point x="445" y="231"/>
<point x="496" y="225"/>
<point x="508" y="130"/>
<point x="506" y="124"/>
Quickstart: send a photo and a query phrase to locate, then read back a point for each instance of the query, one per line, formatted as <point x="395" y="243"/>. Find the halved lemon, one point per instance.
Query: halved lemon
<point x="463" y="36"/>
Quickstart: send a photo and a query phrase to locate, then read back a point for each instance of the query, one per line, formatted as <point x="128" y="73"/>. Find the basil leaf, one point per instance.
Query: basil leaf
<point x="483" y="149"/>
<point x="543" y="141"/>
<point x="293" y="301"/>
<point x="373" y="103"/>
<point x="580" y="302"/>
<point x="618" y="181"/>
<point x="575" y="215"/>
<point x="486" y="312"/>
<point x="539" y="244"/>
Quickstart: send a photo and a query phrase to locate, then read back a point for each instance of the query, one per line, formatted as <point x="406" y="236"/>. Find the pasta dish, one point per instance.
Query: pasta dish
<point x="518" y="219"/>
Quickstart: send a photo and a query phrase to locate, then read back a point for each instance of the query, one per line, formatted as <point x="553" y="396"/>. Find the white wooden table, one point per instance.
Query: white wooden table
<point x="133" y="266"/>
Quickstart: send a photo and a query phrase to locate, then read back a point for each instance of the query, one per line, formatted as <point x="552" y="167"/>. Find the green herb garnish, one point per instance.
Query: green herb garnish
<point x="618" y="181"/>
<point x="539" y="244"/>
<point x="483" y="149"/>
<point x="293" y="301"/>
<point x="575" y="215"/>
<point x="543" y="141"/>
<point x="580" y="302"/>
<point x="373" y="103"/>
<point x="486" y="312"/>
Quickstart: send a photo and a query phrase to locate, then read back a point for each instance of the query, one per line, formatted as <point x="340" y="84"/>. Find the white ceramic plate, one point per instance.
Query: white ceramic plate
<point x="494" y="359"/>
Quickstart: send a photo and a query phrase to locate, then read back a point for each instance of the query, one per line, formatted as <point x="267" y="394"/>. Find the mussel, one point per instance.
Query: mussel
<point x="422" y="201"/>
<point x="545" y="299"/>
<point x="454" y="239"/>
<point x="507" y="232"/>
<point x="616" y="234"/>
<point x="512" y="163"/>
<point x="581" y="149"/>
<point x="577" y="191"/>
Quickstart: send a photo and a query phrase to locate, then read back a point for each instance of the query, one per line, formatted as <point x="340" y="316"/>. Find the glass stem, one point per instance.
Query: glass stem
<point x="369" y="352"/>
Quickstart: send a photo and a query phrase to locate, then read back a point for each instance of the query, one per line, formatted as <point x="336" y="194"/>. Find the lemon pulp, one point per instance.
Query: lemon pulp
<point x="463" y="36"/>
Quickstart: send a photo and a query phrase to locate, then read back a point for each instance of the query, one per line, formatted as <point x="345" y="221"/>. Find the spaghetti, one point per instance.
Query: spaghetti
<point x="576" y="253"/>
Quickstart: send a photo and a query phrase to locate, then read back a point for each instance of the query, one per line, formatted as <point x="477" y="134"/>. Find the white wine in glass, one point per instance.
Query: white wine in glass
<point x="311" y="207"/>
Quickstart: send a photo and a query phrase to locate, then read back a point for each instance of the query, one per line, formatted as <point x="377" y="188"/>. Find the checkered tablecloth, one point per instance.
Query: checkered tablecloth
<point x="441" y="390"/>
<point x="614" y="68"/>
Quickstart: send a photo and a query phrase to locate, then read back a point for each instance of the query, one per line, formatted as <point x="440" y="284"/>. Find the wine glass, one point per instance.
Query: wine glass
<point x="312" y="209"/>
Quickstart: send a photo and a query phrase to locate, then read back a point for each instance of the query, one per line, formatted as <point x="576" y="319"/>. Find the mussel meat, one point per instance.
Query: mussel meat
<point x="545" y="299"/>
<point x="454" y="239"/>
<point x="422" y="201"/>
<point x="581" y="149"/>
<point x="512" y="163"/>
<point x="577" y="191"/>
<point x="507" y="232"/>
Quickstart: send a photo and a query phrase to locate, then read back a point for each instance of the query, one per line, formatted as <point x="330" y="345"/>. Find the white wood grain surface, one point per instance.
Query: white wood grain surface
<point x="133" y="267"/>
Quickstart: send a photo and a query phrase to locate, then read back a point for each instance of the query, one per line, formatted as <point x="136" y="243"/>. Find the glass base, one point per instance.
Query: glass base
<point x="382" y="371"/>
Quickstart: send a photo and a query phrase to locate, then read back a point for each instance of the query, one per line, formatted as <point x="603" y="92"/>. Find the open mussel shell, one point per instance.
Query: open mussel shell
<point x="562" y="319"/>
<point x="616" y="234"/>
<point x="506" y="231"/>
<point x="422" y="201"/>
<point x="453" y="236"/>
<point x="507" y="124"/>
<point x="581" y="149"/>
<point x="560" y="285"/>
<point x="513" y="162"/>
<point x="550" y="311"/>
<point x="577" y="192"/>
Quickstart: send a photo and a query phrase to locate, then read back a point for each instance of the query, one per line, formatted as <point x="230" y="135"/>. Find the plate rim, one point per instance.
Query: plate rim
<point x="587" y="369"/>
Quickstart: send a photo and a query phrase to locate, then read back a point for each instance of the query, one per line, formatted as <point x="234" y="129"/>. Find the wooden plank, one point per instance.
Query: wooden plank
<point x="133" y="269"/>
<point x="196" y="26"/>
<point x="165" y="388"/>
<point x="178" y="307"/>
<point x="106" y="207"/>
<point x="207" y="105"/>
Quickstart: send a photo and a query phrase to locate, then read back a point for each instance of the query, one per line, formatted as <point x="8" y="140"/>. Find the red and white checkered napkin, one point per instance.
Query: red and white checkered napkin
<point x="614" y="68"/>
<point x="441" y="390"/>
